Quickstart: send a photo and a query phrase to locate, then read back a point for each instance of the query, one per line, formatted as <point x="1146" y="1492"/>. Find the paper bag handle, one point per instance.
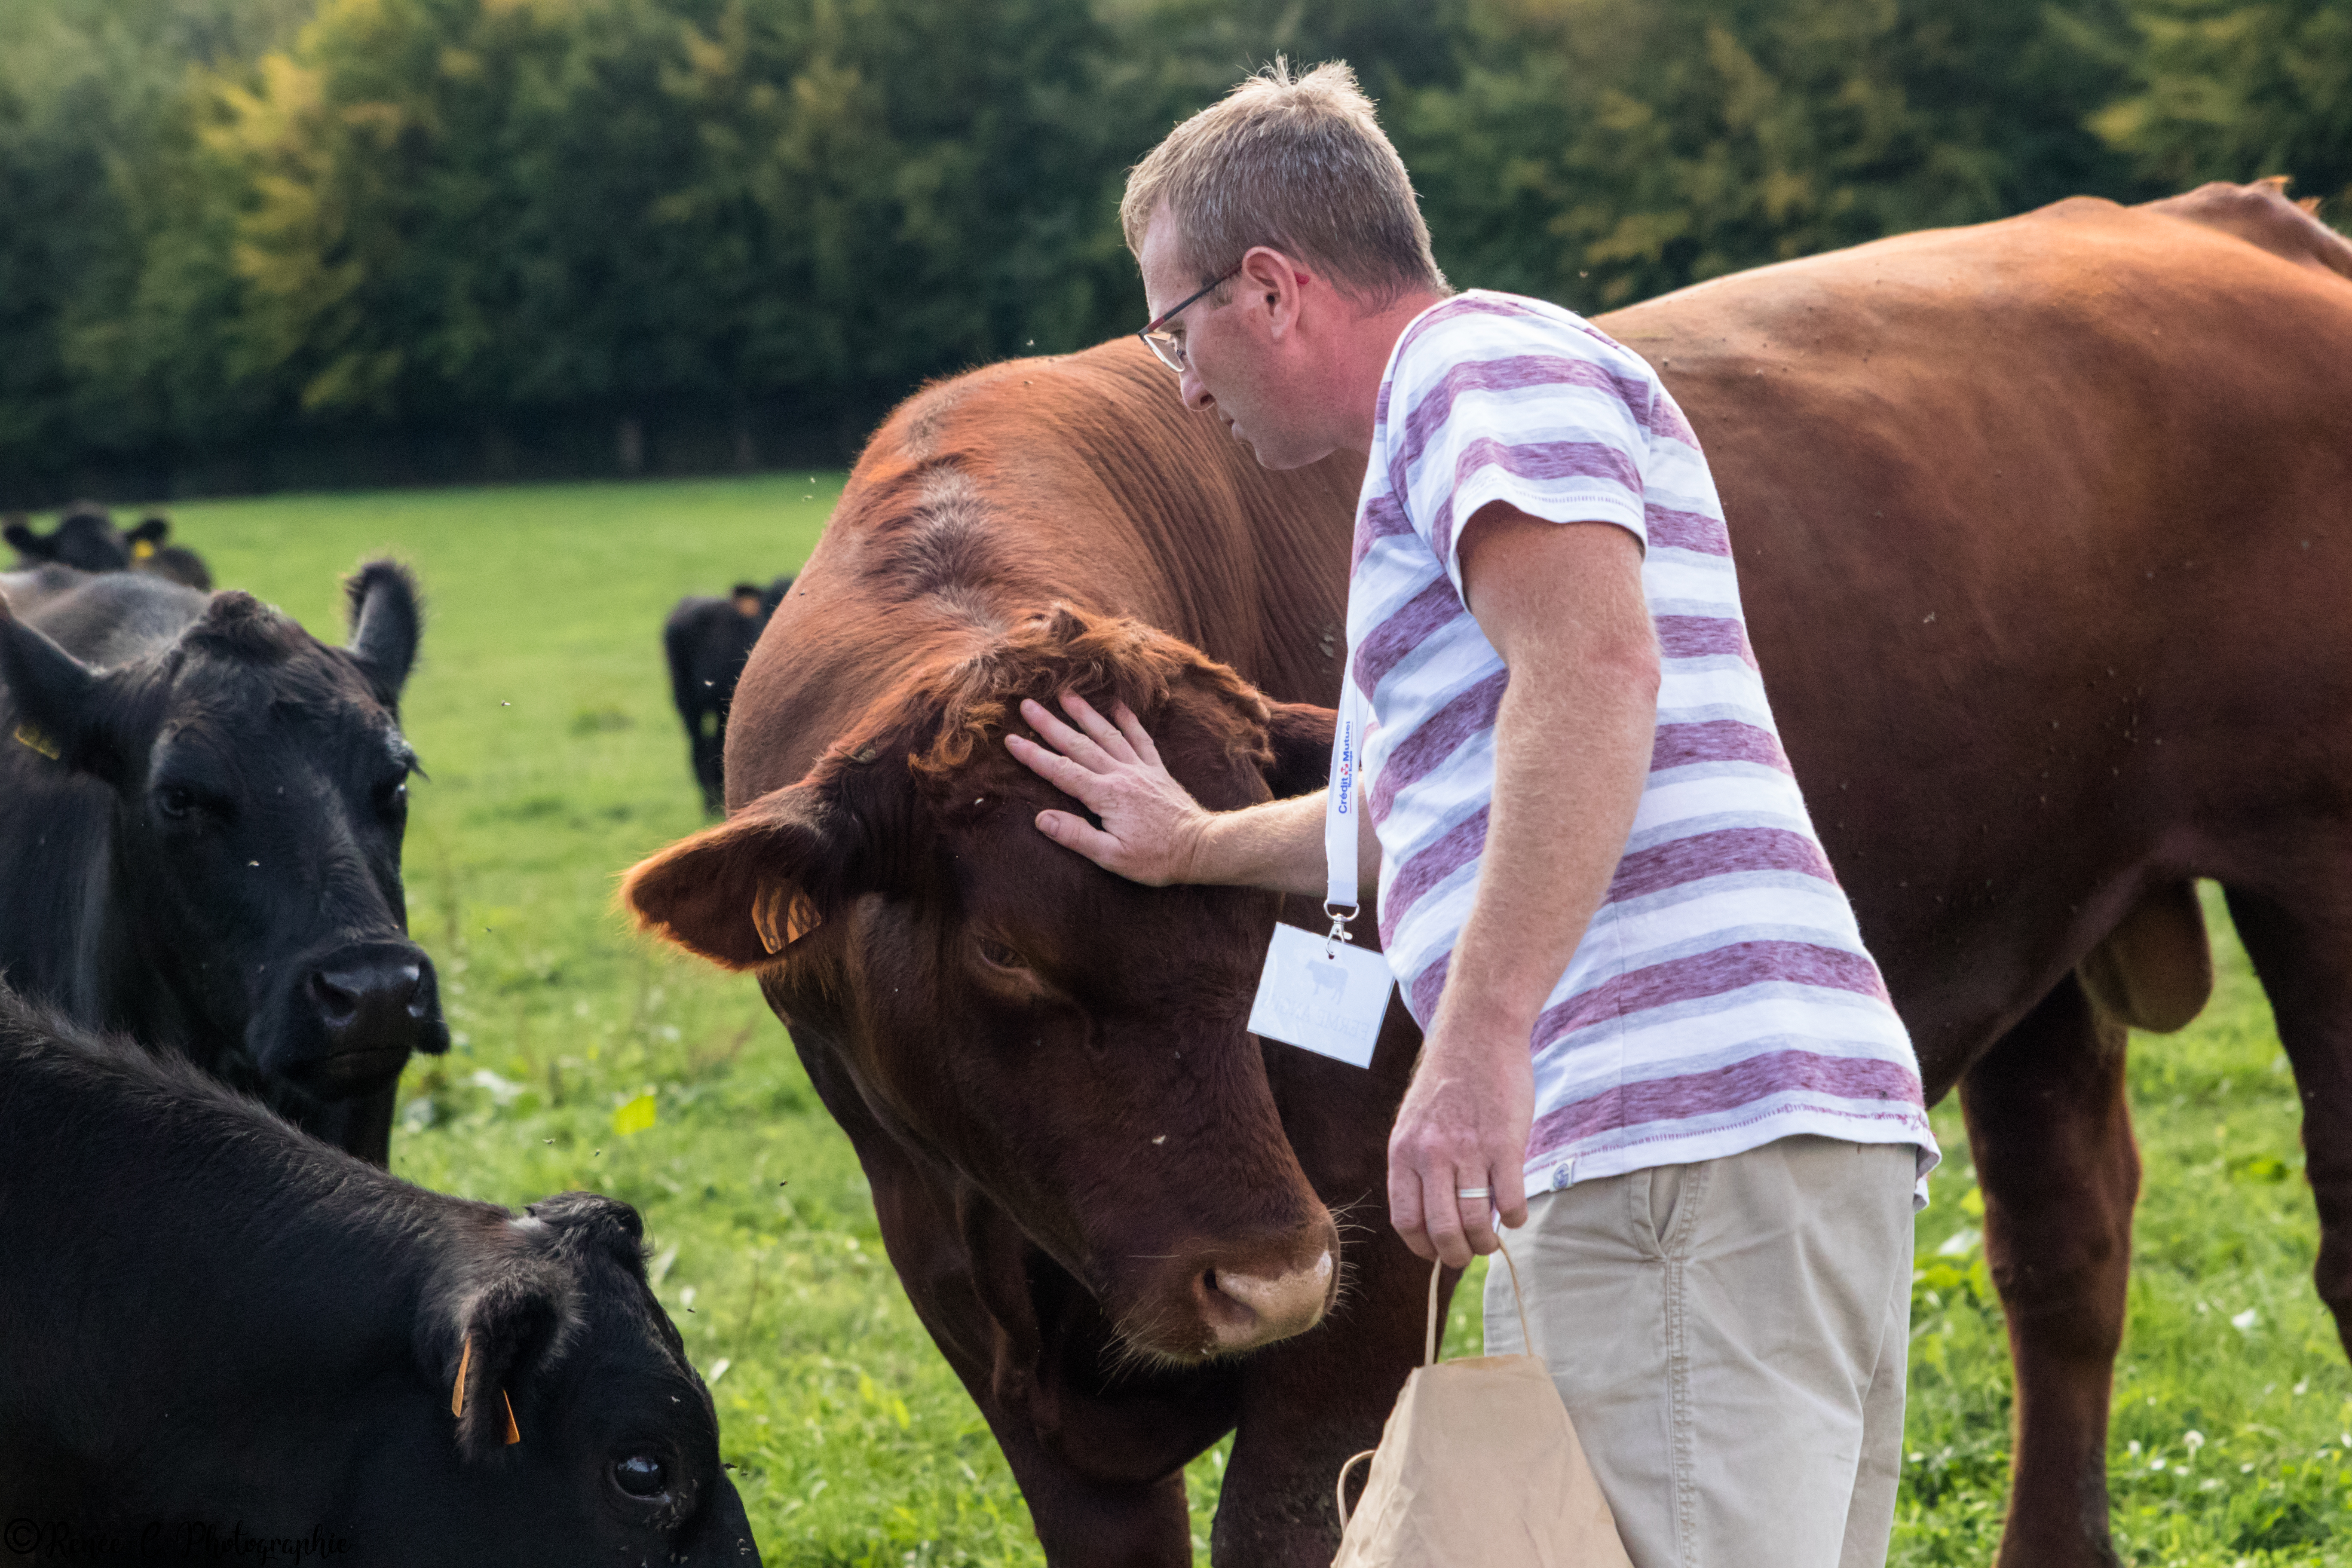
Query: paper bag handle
<point x="1340" y="1491"/>
<point x="1437" y="1270"/>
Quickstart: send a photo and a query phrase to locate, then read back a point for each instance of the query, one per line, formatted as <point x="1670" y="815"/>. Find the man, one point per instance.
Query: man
<point x="1643" y="994"/>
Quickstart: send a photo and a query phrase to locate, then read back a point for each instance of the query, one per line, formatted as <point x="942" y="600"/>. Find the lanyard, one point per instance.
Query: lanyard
<point x="1342" y="803"/>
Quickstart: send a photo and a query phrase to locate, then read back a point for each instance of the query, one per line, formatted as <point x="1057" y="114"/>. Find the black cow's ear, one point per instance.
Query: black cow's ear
<point x="738" y="893"/>
<point x="1299" y="734"/>
<point x="153" y="531"/>
<point x="29" y="545"/>
<point x="504" y="1332"/>
<point x="56" y="704"/>
<point x="387" y="617"/>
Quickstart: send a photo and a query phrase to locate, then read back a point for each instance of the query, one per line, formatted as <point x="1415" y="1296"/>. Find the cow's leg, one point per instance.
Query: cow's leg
<point x="2051" y="1132"/>
<point x="2298" y="943"/>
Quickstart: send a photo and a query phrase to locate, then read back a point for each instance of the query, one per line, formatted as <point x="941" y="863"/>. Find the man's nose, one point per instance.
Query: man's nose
<point x="1194" y="393"/>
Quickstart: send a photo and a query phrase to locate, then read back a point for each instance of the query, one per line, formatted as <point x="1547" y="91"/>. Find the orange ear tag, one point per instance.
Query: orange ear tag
<point x="514" y="1434"/>
<point x="458" y="1395"/>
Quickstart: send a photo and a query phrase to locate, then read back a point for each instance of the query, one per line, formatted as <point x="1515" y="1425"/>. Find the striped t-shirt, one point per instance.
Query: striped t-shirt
<point x="1721" y="998"/>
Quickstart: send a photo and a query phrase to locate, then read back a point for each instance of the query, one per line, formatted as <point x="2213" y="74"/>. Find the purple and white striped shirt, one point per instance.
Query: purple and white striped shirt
<point x="1721" y="998"/>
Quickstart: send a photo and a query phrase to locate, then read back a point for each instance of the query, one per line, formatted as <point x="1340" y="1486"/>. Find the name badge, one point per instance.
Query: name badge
<point x="1321" y="996"/>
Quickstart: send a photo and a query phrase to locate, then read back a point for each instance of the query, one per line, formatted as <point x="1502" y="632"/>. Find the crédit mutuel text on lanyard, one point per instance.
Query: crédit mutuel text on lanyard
<point x="1318" y="993"/>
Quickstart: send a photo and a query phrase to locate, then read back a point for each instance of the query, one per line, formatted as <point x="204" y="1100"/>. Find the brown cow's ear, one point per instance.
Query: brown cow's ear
<point x="1300" y="736"/>
<point x="738" y="893"/>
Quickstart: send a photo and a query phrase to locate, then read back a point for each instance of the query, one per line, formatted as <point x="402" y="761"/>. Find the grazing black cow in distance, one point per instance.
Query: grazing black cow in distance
<point x="201" y="814"/>
<point x="86" y="539"/>
<point x="213" y="1329"/>
<point x="707" y="640"/>
<point x="151" y="551"/>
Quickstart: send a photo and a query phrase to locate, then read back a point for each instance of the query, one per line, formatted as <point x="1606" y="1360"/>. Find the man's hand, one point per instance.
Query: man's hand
<point x="1464" y="1123"/>
<point x="1152" y="827"/>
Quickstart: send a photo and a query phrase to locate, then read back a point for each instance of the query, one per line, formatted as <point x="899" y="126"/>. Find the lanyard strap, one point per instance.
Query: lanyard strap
<point x="1342" y="803"/>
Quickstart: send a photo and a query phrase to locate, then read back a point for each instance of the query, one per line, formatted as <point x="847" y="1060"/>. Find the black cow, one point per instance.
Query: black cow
<point x="707" y="640"/>
<point x="86" y="539"/>
<point x="215" y="1333"/>
<point x="151" y="551"/>
<point x="201" y="813"/>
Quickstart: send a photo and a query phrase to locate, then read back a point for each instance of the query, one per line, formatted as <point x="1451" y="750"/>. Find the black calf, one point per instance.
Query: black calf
<point x="708" y="641"/>
<point x="213" y="1329"/>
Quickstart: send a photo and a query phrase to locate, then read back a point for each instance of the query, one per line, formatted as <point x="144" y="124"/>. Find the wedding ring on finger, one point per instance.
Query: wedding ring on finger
<point x="1473" y="1192"/>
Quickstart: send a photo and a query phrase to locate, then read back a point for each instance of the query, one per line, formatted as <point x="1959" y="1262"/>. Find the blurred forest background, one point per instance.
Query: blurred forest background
<point x="253" y="244"/>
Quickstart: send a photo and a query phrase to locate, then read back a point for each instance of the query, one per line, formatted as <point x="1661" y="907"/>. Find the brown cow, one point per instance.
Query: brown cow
<point x="2007" y="501"/>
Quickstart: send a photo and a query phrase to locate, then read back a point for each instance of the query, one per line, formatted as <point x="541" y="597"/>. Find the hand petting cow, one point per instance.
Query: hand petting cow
<point x="213" y="1328"/>
<point x="201" y="815"/>
<point x="2042" y="530"/>
<point x="707" y="639"/>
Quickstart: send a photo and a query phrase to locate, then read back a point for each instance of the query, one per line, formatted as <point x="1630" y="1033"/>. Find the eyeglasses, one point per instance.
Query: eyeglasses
<point x="1167" y="346"/>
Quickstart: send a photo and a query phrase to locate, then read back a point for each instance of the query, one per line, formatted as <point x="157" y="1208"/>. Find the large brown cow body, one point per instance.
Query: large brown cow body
<point x="2044" y="528"/>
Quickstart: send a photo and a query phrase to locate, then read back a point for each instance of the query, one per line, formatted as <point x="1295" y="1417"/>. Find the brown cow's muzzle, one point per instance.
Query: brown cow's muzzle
<point x="1223" y="1300"/>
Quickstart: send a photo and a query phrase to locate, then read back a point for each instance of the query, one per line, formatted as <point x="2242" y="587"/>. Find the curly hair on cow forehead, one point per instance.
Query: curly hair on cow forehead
<point x="1103" y="659"/>
<point x="237" y="625"/>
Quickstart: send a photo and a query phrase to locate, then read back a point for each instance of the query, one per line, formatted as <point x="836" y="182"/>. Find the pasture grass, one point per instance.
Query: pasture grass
<point x="541" y="712"/>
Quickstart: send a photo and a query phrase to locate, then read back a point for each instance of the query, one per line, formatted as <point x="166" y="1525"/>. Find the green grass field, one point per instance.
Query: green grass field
<point x="541" y="712"/>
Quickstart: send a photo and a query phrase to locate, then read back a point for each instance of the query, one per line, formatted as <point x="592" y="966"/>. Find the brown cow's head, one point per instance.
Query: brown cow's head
<point x="1071" y="1042"/>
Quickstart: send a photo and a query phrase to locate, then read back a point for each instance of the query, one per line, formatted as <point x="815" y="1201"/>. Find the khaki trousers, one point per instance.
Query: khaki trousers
<point x="1730" y="1339"/>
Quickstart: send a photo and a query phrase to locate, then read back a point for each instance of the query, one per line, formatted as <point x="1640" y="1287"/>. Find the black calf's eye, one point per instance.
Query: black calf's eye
<point x="174" y="802"/>
<point x="640" y="1475"/>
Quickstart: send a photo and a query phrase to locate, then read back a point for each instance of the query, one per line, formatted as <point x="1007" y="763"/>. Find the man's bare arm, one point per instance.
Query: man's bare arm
<point x="1153" y="830"/>
<point x="1563" y="604"/>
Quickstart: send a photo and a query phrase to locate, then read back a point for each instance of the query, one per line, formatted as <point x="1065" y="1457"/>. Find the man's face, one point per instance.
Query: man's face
<point x="1239" y="363"/>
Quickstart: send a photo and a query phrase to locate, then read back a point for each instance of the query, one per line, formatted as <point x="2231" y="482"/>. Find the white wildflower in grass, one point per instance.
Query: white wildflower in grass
<point x="2244" y="1322"/>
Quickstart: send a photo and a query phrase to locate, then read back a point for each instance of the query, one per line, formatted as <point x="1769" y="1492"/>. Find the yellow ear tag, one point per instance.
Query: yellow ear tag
<point x="142" y="549"/>
<point x="29" y="734"/>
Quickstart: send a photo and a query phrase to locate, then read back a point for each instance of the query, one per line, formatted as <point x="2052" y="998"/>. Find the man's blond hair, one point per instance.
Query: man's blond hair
<point x="1300" y="164"/>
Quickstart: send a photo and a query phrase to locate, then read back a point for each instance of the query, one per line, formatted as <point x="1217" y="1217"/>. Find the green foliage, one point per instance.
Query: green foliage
<point x="2232" y="91"/>
<point x="238" y="223"/>
<point x="542" y="710"/>
<point x="1599" y="152"/>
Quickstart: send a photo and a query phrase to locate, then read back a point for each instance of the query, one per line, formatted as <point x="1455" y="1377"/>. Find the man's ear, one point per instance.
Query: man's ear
<point x="1299" y="733"/>
<point x="386" y="620"/>
<point x="504" y="1334"/>
<point x="738" y="893"/>
<point x="59" y="704"/>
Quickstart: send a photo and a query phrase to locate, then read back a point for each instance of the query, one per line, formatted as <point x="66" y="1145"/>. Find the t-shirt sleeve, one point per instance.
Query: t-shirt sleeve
<point x="1493" y="411"/>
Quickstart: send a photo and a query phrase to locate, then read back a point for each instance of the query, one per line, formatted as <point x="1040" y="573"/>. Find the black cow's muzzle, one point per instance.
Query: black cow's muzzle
<point x="352" y="1016"/>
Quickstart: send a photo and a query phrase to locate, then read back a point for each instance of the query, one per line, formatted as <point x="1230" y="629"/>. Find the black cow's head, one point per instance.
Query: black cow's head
<point x="575" y="1407"/>
<point x="85" y="538"/>
<point x="1073" y="1043"/>
<point x="261" y="796"/>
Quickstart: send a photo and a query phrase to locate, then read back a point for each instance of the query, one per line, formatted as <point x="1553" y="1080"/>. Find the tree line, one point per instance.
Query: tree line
<point x="256" y="242"/>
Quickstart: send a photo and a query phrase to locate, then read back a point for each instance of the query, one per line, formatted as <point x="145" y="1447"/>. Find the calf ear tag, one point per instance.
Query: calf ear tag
<point x="32" y="735"/>
<point x="1321" y="996"/>
<point x="458" y="1395"/>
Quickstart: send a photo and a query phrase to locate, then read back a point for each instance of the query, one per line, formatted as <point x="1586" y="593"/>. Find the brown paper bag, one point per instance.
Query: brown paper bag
<point x="1478" y="1467"/>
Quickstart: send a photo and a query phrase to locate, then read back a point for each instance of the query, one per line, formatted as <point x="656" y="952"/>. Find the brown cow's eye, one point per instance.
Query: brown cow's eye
<point x="1003" y="957"/>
